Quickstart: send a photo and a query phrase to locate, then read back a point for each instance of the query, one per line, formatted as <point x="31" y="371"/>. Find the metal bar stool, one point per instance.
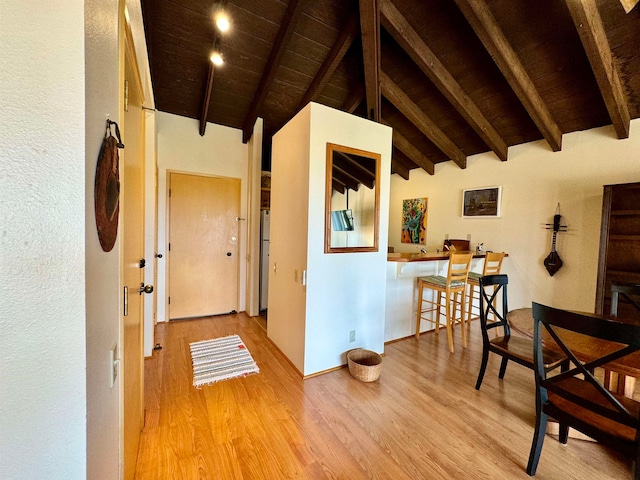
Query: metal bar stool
<point x="492" y="266"/>
<point x="454" y="288"/>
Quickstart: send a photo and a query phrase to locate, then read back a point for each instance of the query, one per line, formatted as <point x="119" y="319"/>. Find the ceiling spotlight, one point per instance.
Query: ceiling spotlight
<point x="222" y="22"/>
<point x="216" y="58"/>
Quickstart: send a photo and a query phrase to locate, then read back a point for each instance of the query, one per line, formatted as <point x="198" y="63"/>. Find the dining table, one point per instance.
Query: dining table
<point x="586" y="348"/>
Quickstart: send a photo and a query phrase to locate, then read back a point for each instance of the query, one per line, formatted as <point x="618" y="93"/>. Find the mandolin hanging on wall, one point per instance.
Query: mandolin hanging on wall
<point x="553" y="262"/>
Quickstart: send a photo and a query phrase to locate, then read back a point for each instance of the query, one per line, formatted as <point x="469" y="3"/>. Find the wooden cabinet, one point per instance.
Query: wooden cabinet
<point x="619" y="259"/>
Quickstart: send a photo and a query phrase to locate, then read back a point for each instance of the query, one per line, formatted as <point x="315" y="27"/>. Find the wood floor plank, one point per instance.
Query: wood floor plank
<point x="422" y="420"/>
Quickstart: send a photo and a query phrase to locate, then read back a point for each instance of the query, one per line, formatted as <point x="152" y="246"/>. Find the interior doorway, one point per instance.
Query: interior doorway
<point x="204" y="245"/>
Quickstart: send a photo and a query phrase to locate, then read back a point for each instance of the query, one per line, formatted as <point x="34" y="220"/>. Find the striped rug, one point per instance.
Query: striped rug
<point x="220" y="359"/>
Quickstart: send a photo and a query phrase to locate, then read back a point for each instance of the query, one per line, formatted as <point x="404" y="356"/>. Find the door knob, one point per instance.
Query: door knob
<point x="145" y="288"/>
<point x="228" y="254"/>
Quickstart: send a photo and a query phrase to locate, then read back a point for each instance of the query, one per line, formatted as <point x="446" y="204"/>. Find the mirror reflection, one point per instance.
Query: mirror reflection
<point x="352" y="200"/>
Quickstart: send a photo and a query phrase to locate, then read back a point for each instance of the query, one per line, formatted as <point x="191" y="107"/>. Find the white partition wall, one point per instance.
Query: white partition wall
<point x="344" y="292"/>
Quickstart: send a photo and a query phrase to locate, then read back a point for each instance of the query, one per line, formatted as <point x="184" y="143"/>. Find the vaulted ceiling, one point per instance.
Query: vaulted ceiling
<point x="453" y="78"/>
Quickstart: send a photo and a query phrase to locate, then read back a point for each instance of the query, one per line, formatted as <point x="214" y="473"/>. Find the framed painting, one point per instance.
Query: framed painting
<point x="481" y="202"/>
<point x="414" y="221"/>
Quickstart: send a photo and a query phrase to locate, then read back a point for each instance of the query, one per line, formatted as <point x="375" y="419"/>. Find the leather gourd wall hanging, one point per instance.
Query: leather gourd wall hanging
<point x="107" y="188"/>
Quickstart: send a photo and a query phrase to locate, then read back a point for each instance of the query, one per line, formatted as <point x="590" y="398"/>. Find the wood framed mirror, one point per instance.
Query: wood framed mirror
<point x="352" y="203"/>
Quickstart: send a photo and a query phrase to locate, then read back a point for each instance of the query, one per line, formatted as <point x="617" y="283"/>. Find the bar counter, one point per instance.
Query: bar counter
<point x="425" y="257"/>
<point x="402" y="294"/>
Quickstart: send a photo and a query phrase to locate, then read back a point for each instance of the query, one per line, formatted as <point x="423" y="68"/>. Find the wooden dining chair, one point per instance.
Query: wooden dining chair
<point x="493" y="303"/>
<point x="453" y="286"/>
<point x="575" y="397"/>
<point x="625" y="299"/>
<point x="492" y="266"/>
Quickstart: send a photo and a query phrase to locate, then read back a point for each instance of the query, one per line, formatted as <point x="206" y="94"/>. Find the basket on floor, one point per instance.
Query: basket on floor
<point x="364" y="365"/>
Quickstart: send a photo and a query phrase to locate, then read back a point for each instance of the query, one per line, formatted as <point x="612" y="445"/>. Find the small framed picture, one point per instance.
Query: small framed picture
<point x="481" y="202"/>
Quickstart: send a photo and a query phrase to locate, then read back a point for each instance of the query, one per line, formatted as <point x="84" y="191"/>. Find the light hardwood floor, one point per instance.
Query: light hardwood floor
<point x="423" y="419"/>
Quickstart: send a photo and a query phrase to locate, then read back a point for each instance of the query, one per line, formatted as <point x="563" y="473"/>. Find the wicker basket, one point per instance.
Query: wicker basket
<point x="364" y="365"/>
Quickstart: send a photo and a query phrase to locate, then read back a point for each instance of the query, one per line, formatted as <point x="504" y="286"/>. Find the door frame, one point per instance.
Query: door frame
<point x="127" y="51"/>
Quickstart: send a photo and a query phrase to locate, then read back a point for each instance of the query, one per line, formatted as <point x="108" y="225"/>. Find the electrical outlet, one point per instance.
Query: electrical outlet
<point x="352" y="336"/>
<point x="113" y="363"/>
<point x="469" y="236"/>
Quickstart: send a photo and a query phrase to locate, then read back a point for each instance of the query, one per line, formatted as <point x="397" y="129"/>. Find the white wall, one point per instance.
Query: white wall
<point x="288" y="237"/>
<point x="253" y="220"/>
<point x="219" y="152"/>
<point x="344" y="291"/>
<point x="42" y="241"/>
<point x="534" y="181"/>
<point x="103" y="269"/>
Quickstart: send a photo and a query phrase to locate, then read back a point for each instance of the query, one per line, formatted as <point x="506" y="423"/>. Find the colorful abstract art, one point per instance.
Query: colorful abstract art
<point x="414" y="221"/>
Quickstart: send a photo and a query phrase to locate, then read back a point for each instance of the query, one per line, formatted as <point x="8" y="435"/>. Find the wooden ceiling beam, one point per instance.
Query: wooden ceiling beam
<point x="354" y="100"/>
<point x="412" y="153"/>
<point x="397" y="167"/>
<point x="370" y="32"/>
<point x="594" y="40"/>
<point x="403" y="160"/>
<point x="409" y="40"/>
<point x="404" y="146"/>
<point x="287" y="26"/>
<point x="206" y="102"/>
<point x="421" y="120"/>
<point x="491" y="35"/>
<point x="331" y="62"/>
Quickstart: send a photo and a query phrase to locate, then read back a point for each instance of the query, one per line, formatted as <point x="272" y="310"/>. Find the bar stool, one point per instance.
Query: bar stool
<point x="453" y="286"/>
<point x="492" y="266"/>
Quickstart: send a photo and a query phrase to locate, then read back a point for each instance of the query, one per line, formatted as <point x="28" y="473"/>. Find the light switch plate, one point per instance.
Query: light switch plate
<point x="113" y="364"/>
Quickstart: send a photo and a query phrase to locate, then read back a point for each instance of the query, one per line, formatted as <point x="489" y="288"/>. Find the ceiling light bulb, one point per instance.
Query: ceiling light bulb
<point x="216" y="58"/>
<point x="222" y="22"/>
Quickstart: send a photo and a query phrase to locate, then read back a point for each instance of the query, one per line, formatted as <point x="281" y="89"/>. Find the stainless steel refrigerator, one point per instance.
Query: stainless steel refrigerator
<point x="264" y="258"/>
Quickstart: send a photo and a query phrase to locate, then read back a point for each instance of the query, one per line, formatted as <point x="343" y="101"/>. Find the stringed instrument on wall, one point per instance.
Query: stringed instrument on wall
<point x="553" y="262"/>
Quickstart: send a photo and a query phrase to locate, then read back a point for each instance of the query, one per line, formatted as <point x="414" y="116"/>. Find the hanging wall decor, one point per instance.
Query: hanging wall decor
<point x="107" y="188"/>
<point x="414" y="221"/>
<point x="553" y="263"/>
<point x="481" y="202"/>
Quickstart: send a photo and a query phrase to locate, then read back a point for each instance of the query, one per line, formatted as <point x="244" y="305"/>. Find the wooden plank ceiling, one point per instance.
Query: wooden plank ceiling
<point x="453" y="78"/>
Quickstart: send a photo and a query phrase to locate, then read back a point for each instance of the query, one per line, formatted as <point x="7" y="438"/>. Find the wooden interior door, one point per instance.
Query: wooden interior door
<point x="132" y="206"/>
<point x="203" y="245"/>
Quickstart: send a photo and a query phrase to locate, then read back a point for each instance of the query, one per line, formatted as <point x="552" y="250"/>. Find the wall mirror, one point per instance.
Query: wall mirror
<point x="352" y="200"/>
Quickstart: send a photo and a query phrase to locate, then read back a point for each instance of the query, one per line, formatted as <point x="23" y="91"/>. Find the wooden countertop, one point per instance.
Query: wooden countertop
<point x="426" y="257"/>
